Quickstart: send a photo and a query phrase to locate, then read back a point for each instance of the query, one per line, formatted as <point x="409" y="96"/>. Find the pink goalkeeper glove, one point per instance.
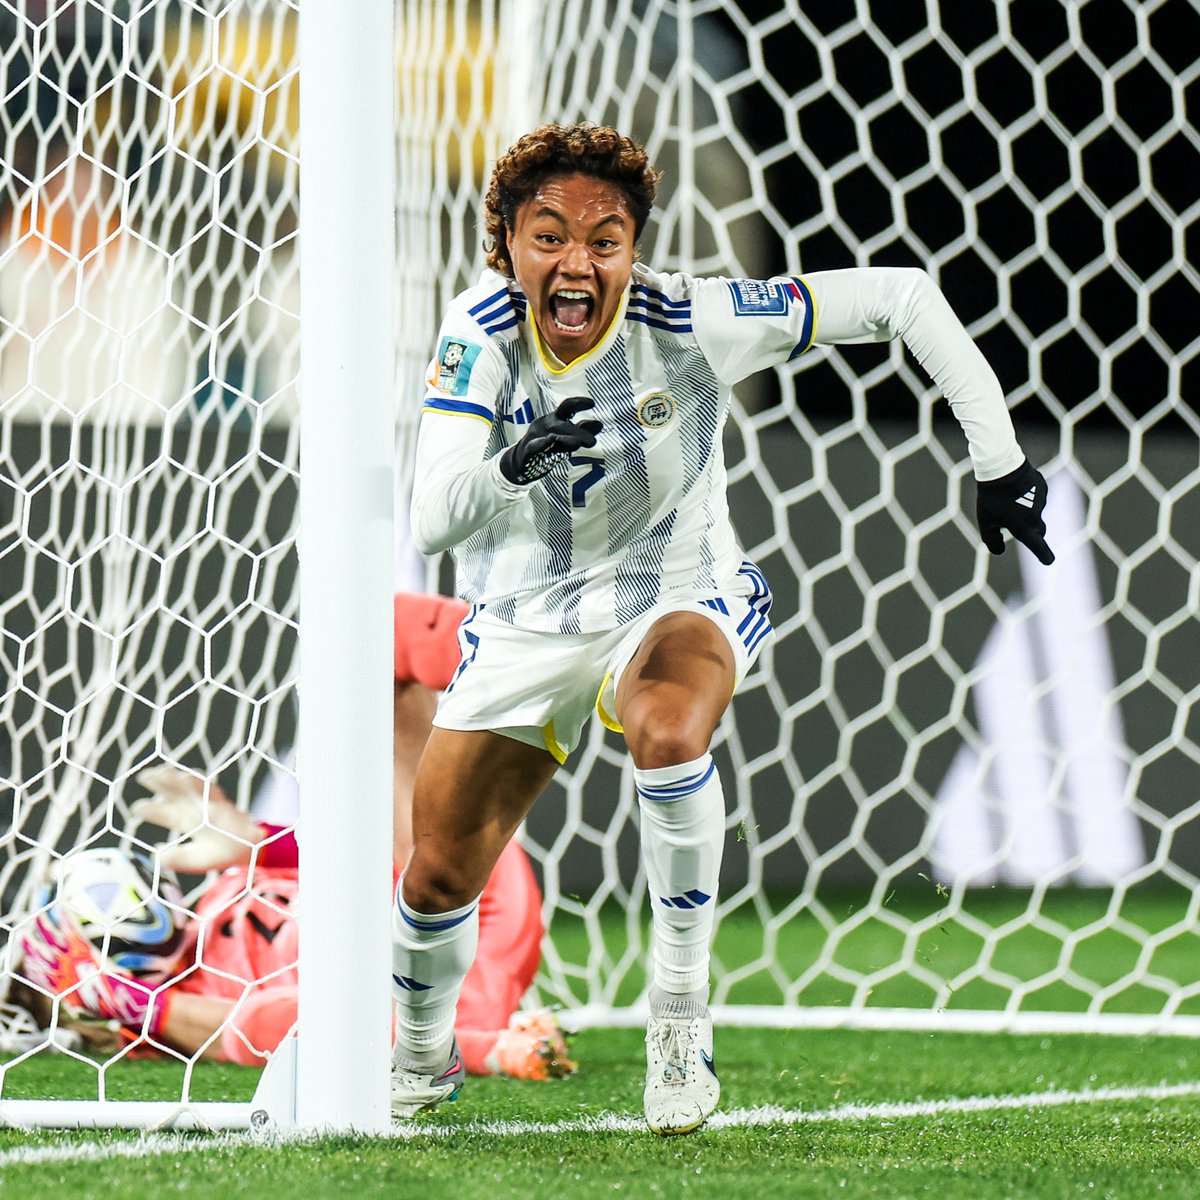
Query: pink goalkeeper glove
<point x="61" y="962"/>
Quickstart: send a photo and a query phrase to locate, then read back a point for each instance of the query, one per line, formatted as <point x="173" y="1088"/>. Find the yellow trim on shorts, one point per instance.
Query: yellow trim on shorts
<point x="606" y="720"/>
<point x="556" y="751"/>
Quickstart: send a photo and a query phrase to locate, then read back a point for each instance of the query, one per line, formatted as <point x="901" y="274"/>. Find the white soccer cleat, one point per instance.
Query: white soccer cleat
<point x="682" y="1088"/>
<point x="418" y="1089"/>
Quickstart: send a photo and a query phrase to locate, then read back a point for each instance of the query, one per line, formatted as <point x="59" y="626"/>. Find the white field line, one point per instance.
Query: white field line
<point x="140" y="1147"/>
<point x="738" y="1118"/>
<point x="742" y="1118"/>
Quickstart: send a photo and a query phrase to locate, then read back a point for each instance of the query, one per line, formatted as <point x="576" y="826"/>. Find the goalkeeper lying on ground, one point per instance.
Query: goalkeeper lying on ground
<point x="233" y="993"/>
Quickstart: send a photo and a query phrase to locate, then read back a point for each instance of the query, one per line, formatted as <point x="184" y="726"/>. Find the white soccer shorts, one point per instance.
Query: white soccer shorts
<point x="540" y="688"/>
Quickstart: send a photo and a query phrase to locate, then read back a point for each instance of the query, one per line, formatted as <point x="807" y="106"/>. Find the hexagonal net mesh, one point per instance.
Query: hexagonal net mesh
<point x="958" y="788"/>
<point x="956" y="784"/>
<point x="148" y="359"/>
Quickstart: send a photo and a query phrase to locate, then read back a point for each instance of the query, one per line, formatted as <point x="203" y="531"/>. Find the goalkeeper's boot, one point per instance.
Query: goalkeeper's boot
<point x="417" y="1089"/>
<point x="533" y="1046"/>
<point x="682" y="1088"/>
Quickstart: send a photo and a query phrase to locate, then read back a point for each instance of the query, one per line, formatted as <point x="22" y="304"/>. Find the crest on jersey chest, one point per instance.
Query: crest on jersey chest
<point x="656" y="410"/>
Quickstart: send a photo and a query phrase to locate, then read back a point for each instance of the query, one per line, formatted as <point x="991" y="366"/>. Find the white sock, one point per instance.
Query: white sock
<point x="431" y="954"/>
<point x="683" y="836"/>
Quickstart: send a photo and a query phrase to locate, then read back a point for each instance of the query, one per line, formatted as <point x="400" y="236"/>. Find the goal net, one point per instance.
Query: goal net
<point x="961" y="790"/>
<point x="148" y="457"/>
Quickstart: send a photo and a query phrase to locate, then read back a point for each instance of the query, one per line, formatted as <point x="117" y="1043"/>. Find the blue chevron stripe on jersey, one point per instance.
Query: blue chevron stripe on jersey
<point x="461" y="408"/>
<point x="809" y="329"/>
<point x="500" y="327"/>
<point x="656" y="321"/>
<point x="641" y="289"/>
<point x="498" y="312"/>
<point x="649" y="307"/>
<point x="494" y="300"/>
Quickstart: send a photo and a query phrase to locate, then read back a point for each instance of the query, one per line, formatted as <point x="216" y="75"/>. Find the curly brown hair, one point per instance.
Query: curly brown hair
<point x="550" y="150"/>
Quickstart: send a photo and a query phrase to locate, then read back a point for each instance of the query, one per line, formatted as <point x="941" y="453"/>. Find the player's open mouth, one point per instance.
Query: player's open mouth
<point x="571" y="310"/>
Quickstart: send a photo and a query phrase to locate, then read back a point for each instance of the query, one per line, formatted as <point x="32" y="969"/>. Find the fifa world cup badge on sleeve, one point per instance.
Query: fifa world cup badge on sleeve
<point x="761" y="297"/>
<point x="454" y="362"/>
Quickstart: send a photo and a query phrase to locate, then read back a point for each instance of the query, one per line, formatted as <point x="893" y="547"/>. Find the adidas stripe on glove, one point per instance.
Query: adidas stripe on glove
<point x="547" y="439"/>
<point x="1014" y="502"/>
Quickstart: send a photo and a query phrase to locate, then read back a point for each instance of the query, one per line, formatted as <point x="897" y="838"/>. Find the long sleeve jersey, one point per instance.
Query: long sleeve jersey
<point x="643" y="515"/>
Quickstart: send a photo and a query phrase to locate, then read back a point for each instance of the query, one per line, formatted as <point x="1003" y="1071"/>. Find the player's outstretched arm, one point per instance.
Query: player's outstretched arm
<point x="882" y="303"/>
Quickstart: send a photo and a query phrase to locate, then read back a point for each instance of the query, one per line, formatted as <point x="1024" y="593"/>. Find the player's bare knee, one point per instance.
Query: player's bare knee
<point x="664" y="739"/>
<point x="437" y="889"/>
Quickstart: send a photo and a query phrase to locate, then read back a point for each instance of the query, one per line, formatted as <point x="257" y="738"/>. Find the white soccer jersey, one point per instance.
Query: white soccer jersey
<point x="642" y="516"/>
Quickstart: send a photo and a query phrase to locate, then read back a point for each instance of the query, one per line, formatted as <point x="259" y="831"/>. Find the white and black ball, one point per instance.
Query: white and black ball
<point x="112" y="897"/>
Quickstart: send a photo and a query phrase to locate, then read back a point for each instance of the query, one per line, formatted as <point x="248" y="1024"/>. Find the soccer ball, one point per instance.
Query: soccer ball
<point x="111" y="897"/>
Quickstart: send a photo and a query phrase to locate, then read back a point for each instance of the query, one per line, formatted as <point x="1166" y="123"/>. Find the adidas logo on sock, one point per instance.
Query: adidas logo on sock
<point x="1029" y="498"/>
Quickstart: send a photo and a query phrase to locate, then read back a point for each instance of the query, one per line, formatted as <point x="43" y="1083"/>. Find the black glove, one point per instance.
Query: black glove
<point x="547" y="439"/>
<point x="1014" y="502"/>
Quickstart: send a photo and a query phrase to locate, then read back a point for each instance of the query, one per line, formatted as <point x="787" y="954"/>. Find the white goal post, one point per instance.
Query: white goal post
<point x="162" y="81"/>
<point x="962" y="791"/>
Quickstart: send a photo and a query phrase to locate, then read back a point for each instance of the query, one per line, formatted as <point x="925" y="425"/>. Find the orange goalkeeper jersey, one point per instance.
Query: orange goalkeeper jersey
<point x="245" y="932"/>
<point x="247" y="947"/>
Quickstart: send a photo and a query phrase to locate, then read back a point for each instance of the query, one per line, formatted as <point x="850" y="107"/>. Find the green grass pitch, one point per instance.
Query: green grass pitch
<point x="856" y="1117"/>
<point x="803" y="1113"/>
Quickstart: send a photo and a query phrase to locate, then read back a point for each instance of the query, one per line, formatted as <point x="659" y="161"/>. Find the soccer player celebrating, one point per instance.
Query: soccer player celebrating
<point x="570" y="454"/>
